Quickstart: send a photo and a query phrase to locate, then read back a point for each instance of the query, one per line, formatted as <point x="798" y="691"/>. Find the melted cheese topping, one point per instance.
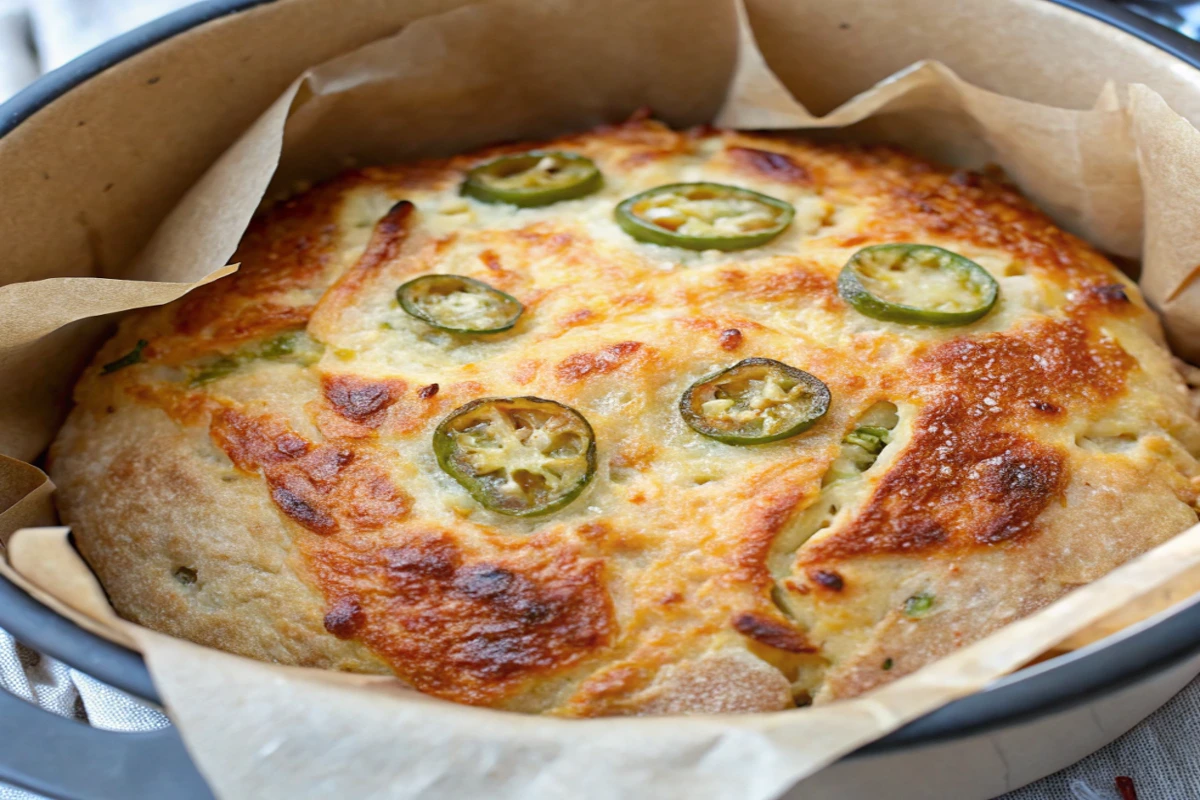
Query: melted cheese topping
<point x="461" y="306"/>
<point x="765" y="573"/>
<point x="922" y="283"/>
<point x="548" y="172"/>
<point x="705" y="214"/>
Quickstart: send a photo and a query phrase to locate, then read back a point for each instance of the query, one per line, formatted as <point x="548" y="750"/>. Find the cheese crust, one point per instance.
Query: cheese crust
<point x="262" y="480"/>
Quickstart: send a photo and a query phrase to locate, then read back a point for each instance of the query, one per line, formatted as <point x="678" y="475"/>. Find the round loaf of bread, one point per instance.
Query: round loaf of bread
<point x="253" y="467"/>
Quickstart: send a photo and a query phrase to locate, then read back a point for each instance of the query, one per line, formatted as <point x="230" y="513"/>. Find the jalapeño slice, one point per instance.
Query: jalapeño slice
<point x="459" y="304"/>
<point x="917" y="284"/>
<point x="704" y="216"/>
<point x="520" y="456"/>
<point x="755" y="401"/>
<point x="533" y="179"/>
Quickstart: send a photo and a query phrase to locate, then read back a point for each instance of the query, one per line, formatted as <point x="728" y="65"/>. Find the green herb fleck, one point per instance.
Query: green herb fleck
<point x="217" y="369"/>
<point x="291" y="347"/>
<point x="278" y="347"/>
<point x="860" y="448"/>
<point x="888" y="664"/>
<point x="918" y="605"/>
<point x="869" y="438"/>
<point x="134" y="356"/>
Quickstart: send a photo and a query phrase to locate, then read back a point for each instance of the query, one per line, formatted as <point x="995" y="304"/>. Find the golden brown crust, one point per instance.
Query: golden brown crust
<point x="325" y="488"/>
<point x="470" y="629"/>
<point x="772" y="631"/>
<point x="282" y="500"/>
<point x="361" y="401"/>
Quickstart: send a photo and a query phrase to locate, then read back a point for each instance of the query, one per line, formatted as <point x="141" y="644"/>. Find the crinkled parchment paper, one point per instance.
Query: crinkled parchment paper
<point x="1125" y="171"/>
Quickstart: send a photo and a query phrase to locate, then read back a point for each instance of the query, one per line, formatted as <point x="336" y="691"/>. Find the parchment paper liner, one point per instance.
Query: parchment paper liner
<point x="1117" y="173"/>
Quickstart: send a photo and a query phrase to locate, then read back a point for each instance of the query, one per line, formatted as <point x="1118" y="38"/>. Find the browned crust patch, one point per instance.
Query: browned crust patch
<point x="345" y="618"/>
<point x="963" y="489"/>
<point x="363" y="400"/>
<point x="470" y="628"/>
<point x="325" y="488"/>
<point x="969" y="477"/>
<point x="601" y="362"/>
<point x="771" y="632"/>
<point x="770" y="164"/>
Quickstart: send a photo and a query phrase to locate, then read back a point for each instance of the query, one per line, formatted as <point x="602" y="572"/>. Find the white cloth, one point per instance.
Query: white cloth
<point x="1162" y="755"/>
<point x="69" y="693"/>
<point x="18" y="66"/>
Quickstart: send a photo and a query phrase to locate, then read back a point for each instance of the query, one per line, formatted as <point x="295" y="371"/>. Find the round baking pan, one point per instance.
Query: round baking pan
<point x="62" y="758"/>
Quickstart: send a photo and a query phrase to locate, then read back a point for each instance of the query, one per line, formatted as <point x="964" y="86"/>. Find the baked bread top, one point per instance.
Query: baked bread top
<point x="276" y="464"/>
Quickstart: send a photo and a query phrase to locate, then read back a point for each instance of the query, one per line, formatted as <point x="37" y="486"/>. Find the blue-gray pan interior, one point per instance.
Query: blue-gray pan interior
<point x="65" y="759"/>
